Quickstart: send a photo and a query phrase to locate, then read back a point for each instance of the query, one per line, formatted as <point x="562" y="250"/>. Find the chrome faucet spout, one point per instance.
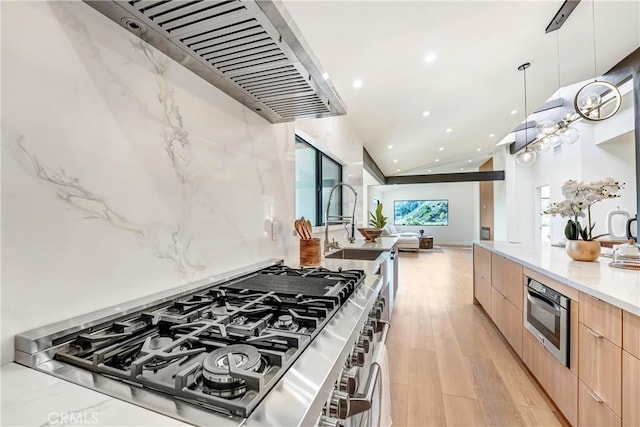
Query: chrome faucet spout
<point x="334" y="245"/>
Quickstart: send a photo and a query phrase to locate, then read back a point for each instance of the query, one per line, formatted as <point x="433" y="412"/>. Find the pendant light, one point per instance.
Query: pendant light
<point x="550" y="133"/>
<point x="597" y="100"/>
<point x="526" y="156"/>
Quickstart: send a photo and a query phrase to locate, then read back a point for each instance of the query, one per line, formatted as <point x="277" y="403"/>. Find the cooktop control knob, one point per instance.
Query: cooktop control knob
<point x="357" y="357"/>
<point x="380" y="303"/>
<point x="375" y="313"/>
<point x="348" y="382"/>
<point x="363" y="341"/>
<point x="369" y="330"/>
<point x="338" y="405"/>
<point x="328" y="422"/>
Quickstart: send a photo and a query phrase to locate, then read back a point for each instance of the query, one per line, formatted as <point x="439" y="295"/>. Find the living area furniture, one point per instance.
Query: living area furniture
<point x="426" y="242"/>
<point x="406" y="240"/>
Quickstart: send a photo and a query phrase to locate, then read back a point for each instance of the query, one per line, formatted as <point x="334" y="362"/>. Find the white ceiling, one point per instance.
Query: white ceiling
<point x="472" y="86"/>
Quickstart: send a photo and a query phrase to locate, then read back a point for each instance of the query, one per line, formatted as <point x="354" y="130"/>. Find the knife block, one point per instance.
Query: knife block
<point x="310" y="252"/>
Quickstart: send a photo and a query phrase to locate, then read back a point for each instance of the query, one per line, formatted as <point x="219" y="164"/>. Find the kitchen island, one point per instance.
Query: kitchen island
<point x="31" y="397"/>
<point x="575" y="325"/>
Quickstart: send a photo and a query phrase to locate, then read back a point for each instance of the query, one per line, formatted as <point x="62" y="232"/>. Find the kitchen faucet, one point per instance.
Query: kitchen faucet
<point x="335" y="245"/>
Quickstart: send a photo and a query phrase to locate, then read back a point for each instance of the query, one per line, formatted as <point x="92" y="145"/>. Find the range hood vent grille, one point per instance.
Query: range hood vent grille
<point x="249" y="49"/>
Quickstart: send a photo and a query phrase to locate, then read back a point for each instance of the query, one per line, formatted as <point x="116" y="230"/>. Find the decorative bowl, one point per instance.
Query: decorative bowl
<point x="370" y="234"/>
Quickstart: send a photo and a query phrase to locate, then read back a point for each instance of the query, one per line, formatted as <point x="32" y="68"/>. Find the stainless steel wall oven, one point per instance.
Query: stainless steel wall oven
<point x="547" y="317"/>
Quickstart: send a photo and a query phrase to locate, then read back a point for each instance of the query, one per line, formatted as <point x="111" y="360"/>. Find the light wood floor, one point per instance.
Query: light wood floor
<point x="448" y="364"/>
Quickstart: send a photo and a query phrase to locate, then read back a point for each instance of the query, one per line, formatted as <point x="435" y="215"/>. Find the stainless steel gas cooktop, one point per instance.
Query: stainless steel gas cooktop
<point x="222" y="347"/>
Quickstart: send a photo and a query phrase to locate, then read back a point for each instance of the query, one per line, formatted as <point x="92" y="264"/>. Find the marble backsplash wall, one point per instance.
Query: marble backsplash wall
<point x="124" y="174"/>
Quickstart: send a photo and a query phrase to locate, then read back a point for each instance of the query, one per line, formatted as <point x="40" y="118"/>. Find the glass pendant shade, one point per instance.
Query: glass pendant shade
<point x="542" y="145"/>
<point x="546" y="127"/>
<point x="569" y="136"/>
<point x="526" y="157"/>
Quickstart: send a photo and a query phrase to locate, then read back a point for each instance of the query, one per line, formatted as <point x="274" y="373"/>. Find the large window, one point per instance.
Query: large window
<point x="316" y="173"/>
<point x="421" y="212"/>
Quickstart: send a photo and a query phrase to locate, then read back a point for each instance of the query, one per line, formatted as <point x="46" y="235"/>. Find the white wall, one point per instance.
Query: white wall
<point x="124" y="174"/>
<point x="463" y="209"/>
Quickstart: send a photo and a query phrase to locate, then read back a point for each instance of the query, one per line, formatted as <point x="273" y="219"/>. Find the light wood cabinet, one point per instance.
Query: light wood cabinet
<point x="498" y="309"/>
<point x="630" y="390"/>
<point x="593" y="411"/>
<point x="601" y="367"/>
<point x="513" y="282"/>
<point x="482" y="277"/>
<point x="559" y="382"/>
<point x="631" y="334"/>
<point x="601" y="318"/>
<point x="497" y="273"/>
<point x="513" y="326"/>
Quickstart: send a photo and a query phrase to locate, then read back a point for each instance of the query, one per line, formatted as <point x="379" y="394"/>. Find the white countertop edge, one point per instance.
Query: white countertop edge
<point x="624" y="305"/>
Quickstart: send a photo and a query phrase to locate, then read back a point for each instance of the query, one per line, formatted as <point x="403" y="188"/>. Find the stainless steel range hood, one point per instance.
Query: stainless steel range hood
<point x="251" y="50"/>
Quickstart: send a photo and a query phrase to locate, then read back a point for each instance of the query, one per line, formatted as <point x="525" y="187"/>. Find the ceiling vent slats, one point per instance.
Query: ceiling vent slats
<point x="246" y="48"/>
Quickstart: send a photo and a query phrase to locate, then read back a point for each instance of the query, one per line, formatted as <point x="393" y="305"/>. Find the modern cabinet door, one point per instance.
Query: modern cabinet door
<point x="559" y="382"/>
<point x="631" y="333"/>
<point x="601" y="367"/>
<point x="512" y="328"/>
<point x="497" y="273"/>
<point x="630" y="390"/>
<point x="498" y="309"/>
<point x="482" y="277"/>
<point x="602" y="318"/>
<point x="593" y="411"/>
<point x="512" y="276"/>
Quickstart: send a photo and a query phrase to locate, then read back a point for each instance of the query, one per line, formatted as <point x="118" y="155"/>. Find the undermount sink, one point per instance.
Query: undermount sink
<point x="361" y="254"/>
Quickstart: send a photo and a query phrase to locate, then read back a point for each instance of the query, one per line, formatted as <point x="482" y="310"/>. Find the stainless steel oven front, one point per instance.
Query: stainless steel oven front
<point x="547" y="317"/>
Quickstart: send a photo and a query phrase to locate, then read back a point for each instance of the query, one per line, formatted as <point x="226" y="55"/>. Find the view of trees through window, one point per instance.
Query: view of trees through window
<point x="421" y="212"/>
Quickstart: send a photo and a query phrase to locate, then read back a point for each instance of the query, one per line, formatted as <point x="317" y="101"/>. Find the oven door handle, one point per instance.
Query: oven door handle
<point x="362" y="403"/>
<point x="546" y="304"/>
<point x="383" y="326"/>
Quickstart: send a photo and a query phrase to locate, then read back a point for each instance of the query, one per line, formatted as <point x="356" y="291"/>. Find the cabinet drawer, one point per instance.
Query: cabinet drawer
<point x="601" y="367"/>
<point x="630" y="390"/>
<point x="482" y="292"/>
<point x="512" y="276"/>
<point x="602" y="318"/>
<point x="593" y="412"/>
<point x="482" y="263"/>
<point x="631" y="333"/>
<point x="498" y="309"/>
<point x="497" y="273"/>
<point x="512" y="326"/>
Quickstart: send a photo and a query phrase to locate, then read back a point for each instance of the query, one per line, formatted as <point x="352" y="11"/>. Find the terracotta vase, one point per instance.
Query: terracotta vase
<point x="583" y="250"/>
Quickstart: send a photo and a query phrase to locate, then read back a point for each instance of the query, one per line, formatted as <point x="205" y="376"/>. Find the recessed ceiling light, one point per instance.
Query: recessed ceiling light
<point x="478" y="149"/>
<point x="429" y="170"/>
<point x="395" y="161"/>
<point x="449" y="130"/>
<point x="437" y="160"/>
<point x="397" y="170"/>
<point x="426" y="113"/>
<point x="491" y="135"/>
<point x="389" y="147"/>
<point x="461" y="169"/>
<point x="430" y="57"/>
<point x="325" y="76"/>
<point x="469" y="161"/>
<point x="441" y="148"/>
<point x="357" y="84"/>
<point x="514" y="111"/>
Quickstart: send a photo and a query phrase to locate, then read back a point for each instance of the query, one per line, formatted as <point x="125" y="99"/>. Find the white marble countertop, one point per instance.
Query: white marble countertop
<point x="30" y="397"/>
<point x="618" y="287"/>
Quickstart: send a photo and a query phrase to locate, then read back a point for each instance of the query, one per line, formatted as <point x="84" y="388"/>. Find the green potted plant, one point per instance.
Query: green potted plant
<point x="378" y="220"/>
<point x="581" y="243"/>
<point x="421" y="231"/>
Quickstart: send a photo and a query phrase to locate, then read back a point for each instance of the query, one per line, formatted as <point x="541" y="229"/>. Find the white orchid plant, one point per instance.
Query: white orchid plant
<point x="578" y="199"/>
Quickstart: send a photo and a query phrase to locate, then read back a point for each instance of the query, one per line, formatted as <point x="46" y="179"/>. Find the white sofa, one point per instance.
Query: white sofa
<point x="406" y="240"/>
